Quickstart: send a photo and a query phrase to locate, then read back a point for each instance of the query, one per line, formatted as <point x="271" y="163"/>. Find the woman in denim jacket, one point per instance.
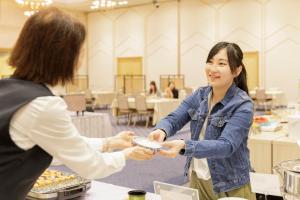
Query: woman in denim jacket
<point x="220" y="115"/>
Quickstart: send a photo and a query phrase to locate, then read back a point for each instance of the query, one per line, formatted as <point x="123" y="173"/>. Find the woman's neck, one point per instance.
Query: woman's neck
<point x="219" y="93"/>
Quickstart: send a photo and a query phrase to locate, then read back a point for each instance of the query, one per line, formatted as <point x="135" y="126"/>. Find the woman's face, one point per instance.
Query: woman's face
<point x="218" y="71"/>
<point x="152" y="86"/>
<point x="172" y="86"/>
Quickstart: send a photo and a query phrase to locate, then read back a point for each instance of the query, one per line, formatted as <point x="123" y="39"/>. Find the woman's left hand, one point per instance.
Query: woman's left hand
<point x="121" y="141"/>
<point x="173" y="148"/>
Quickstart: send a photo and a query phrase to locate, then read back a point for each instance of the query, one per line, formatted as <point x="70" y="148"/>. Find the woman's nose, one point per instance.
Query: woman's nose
<point x="213" y="68"/>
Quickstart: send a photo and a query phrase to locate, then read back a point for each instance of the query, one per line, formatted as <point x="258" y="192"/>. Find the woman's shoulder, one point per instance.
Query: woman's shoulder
<point x="48" y="105"/>
<point x="41" y="107"/>
<point x="202" y="91"/>
<point x="243" y="95"/>
<point x="243" y="101"/>
<point x="198" y="96"/>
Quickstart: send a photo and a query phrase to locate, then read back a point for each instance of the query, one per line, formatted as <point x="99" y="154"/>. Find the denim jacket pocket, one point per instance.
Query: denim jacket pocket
<point x="217" y="125"/>
<point x="218" y="121"/>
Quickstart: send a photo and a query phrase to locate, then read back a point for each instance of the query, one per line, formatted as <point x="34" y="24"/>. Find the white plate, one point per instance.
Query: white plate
<point x="146" y="143"/>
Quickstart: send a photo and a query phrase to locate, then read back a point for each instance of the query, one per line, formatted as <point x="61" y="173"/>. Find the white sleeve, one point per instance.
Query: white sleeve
<point x="54" y="131"/>
<point x="96" y="143"/>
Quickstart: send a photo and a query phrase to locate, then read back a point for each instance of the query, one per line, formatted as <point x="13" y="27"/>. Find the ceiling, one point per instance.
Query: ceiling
<point x="84" y="5"/>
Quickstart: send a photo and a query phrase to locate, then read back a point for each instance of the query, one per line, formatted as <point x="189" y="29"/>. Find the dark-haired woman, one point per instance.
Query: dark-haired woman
<point x="153" y="91"/>
<point x="35" y="125"/>
<point x="221" y="116"/>
<point x="171" y="91"/>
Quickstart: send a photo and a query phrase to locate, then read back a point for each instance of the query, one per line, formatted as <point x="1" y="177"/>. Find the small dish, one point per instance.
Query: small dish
<point x="146" y="143"/>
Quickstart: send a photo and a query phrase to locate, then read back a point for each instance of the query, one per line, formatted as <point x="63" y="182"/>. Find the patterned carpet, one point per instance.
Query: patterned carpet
<point x="141" y="174"/>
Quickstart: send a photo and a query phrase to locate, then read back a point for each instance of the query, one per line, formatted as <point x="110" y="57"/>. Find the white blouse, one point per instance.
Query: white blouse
<point x="46" y="122"/>
<point x="200" y="166"/>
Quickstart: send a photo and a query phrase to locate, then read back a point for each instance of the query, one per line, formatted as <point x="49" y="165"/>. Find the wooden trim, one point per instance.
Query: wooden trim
<point x="258" y="72"/>
<point x="130" y="57"/>
<point x="4" y="50"/>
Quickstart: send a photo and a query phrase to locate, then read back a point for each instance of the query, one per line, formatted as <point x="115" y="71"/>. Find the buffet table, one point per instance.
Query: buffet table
<point x="261" y="150"/>
<point x="103" y="98"/>
<point x="285" y="148"/>
<point x="268" y="149"/>
<point x="100" y="190"/>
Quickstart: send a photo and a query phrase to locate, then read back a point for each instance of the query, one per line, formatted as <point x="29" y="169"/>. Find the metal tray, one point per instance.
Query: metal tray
<point x="61" y="187"/>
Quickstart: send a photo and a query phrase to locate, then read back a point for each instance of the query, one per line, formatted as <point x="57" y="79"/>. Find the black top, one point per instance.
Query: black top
<point x="175" y="93"/>
<point x="19" y="169"/>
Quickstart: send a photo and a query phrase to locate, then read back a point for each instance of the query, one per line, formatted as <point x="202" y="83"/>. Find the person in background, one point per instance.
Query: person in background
<point x="35" y="125"/>
<point x="171" y="91"/>
<point x="153" y="91"/>
<point x="220" y="117"/>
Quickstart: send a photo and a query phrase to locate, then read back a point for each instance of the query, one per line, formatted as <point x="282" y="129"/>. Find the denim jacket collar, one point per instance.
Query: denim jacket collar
<point x="230" y="92"/>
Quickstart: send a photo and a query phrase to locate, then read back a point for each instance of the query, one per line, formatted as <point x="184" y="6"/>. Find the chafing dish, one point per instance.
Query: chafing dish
<point x="289" y="172"/>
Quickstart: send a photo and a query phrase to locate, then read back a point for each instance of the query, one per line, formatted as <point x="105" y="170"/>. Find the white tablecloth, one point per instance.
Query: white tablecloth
<point x="94" y="125"/>
<point x="100" y="190"/>
<point x="162" y="107"/>
<point x="103" y="97"/>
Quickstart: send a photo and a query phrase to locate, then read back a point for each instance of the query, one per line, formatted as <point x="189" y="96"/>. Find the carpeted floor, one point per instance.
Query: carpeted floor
<point x="141" y="174"/>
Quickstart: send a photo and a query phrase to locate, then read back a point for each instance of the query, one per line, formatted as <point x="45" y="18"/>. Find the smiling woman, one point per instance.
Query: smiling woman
<point x="220" y="117"/>
<point x="226" y="59"/>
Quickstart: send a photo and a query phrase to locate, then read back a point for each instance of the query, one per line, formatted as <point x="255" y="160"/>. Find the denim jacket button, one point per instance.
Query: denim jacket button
<point x="220" y="123"/>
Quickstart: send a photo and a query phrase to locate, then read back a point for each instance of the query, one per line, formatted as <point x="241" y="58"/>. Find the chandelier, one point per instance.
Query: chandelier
<point x="33" y="6"/>
<point x="96" y="4"/>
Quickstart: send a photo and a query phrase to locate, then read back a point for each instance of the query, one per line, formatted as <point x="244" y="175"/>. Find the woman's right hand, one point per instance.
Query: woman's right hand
<point x="138" y="153"/>
<point x="157" y="135"/>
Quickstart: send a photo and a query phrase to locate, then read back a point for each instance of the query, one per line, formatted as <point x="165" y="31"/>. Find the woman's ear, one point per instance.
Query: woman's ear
<point x="238" y="71"/>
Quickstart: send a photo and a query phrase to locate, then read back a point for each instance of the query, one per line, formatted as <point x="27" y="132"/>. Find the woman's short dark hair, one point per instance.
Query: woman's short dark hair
<point x="48" y="48"/>
<point x="235" y="59"/>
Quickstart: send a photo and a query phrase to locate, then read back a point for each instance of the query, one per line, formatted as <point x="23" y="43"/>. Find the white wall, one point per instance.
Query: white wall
<point x="268" y="26"/>
<point x="100" y="51"/>
<point x="197" y="36"/>
<point x="139" y="31"/>
<point x="11" y="23"/>
<point x="282" y="45"/>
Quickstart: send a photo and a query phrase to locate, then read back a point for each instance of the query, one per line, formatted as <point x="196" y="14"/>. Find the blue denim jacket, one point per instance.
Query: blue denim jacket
<point x="225" y="142"/>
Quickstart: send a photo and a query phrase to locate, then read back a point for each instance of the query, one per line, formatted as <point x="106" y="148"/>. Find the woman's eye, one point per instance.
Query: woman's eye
<point x="222" y="64"/>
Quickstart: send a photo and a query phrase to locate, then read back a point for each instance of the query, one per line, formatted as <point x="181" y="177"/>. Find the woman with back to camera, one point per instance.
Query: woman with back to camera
<point x="220" y="115"/>
<point x="35" y="125"/>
